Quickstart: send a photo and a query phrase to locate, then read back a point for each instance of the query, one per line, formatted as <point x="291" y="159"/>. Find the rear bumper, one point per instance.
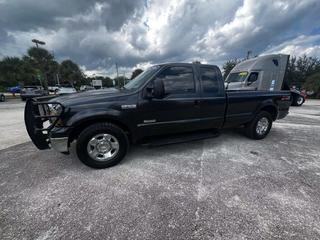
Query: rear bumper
<point x="60" y="144"/>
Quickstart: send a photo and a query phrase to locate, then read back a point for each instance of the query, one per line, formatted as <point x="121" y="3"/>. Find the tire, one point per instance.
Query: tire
<point x="2" y="98"/>
<point x="299" y="101"/>
<point x="92" y="140"/>
<point x="254" y="131"/>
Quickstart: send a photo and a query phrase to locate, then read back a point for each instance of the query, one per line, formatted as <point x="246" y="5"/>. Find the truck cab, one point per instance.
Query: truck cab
<point x="260" y="73"/>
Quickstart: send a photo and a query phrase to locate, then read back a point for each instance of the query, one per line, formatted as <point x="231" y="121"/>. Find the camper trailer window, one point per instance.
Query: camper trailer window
<point x="237" y="77"/>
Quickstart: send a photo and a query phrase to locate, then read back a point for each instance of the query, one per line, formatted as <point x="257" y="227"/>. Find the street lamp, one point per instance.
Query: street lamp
<point x="37" y="42"/>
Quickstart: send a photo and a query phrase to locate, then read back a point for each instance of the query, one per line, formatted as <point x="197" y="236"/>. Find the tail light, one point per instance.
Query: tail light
<point x="285" y="98"/>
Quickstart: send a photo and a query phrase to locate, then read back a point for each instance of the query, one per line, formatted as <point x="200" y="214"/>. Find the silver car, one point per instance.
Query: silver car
<point x="32" y="91"/>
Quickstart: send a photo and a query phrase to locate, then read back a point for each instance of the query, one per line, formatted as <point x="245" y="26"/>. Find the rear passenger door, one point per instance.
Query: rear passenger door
<point x="213" y="99"/>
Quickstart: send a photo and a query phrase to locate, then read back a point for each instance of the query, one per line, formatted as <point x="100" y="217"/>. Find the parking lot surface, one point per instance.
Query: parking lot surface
<point x="228" y="187"/>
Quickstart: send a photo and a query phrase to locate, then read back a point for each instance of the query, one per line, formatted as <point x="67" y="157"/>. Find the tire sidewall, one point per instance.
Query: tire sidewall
<point x="297" y="101"/>
<point x="93" y="130"/>
<point x="258" y="117"/>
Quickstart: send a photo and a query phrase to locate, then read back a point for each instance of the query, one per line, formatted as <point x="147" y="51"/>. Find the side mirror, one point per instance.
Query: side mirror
<point x="158" y="88"/>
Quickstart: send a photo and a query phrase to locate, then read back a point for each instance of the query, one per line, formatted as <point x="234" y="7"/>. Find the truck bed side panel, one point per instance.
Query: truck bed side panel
<point x="243" y="105"/>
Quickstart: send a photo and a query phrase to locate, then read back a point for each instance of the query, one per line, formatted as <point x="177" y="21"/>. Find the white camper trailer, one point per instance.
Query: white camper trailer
<point x="260" y="73"/>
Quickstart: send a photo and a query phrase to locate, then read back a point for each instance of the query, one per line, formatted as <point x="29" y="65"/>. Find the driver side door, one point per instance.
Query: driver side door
<point x="178" y="110"/>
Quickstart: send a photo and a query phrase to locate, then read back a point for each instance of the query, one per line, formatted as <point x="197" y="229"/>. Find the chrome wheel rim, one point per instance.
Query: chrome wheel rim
<point x="103" y="147"/>
<point x="262" y="126"/>
<point x="300" y="100"/>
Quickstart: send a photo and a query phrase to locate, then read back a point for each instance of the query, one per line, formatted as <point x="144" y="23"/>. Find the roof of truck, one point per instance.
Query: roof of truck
<point x="257" y="62"/>
<point x="184" y="64"/>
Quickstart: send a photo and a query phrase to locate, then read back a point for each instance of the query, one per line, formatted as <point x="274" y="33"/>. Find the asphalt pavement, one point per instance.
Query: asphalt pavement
<point x="229" y="187"/>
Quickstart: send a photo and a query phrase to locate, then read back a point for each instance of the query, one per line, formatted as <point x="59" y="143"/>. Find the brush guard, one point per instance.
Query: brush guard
<point x="37" y="114"/>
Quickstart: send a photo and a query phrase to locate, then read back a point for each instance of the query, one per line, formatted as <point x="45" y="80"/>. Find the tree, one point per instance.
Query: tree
<point x="70" y="72"/>
<point x="120" y="81"/>
<point x="107" y="82"/>
<point x="229" y="65"/>
<point x="136" y="72"/>
<point x="313" y="84"/>
<point x="43" y="61"/>
<point x="11" y="71"/>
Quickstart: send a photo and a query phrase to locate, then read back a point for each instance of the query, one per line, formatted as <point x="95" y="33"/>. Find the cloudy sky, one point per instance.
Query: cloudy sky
<point x="137" y="33"/>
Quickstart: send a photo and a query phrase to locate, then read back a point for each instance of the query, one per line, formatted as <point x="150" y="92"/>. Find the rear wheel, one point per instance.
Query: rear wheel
<point x="260" y="126"/>
<point x="102" y="145"/>
<point x="299" y="101"/>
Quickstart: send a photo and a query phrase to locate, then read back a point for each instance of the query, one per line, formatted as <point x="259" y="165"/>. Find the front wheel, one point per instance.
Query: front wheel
<point x="2" y="98"/>
<point x="260" y="126"/>
<point x="102" y="145"/>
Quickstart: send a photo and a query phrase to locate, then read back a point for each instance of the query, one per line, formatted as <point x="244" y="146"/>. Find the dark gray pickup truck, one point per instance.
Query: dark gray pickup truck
<point x="167" y="103"/>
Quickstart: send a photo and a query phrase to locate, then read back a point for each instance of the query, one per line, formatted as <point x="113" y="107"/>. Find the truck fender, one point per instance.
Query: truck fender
<point x="97" y="114"/>
<point x="268" y="106"/>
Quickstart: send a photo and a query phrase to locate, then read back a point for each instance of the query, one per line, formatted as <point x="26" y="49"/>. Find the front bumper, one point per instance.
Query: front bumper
<point x="39" y="122"/>
<point x="60" y="144"/>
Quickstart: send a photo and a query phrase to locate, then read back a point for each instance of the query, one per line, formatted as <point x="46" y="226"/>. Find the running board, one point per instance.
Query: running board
<point x="180" y="138"/>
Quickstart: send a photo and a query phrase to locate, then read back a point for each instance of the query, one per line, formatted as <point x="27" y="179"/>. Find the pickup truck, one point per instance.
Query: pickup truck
<point x="167" y="101"/>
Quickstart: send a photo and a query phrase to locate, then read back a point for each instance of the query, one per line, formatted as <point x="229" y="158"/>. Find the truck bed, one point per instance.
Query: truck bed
<point x="242" y="105"/>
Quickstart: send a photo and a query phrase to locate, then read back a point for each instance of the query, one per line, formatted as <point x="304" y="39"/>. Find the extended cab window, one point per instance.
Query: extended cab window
<point x="209" y="79"/>
<point x="177" y="80"/>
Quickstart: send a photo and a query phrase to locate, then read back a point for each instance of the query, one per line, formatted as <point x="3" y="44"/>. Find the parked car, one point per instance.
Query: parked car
<point x="86" y="88"/>
<point x="2" y="97"/>
<point x="66" y="90"/>
<point x="14" y="90"/>
<point x="31" y="92"/>
<point x="167" y="103"/>
<point x="53" y="89"/>
<point x="298" y="97"/>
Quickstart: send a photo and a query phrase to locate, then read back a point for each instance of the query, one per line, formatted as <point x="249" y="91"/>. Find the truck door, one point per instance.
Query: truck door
<point x="213" y="99"/>
<point x="178" y="111"/>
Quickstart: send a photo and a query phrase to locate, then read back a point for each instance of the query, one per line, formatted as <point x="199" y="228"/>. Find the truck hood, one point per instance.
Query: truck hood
<point x="92" y="96"/>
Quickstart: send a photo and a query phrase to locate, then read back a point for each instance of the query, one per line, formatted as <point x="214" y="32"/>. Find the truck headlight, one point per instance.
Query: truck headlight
<point x="55" y="110"/>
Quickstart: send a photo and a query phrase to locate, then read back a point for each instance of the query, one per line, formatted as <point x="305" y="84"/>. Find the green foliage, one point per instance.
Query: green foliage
<point x="120" y="81"/>
<point x="299" y="69"/>
<point x="37" y="67"/>
<point x="229" y="65"/>
<point x="70" y="73"/>
<point x="313" y="84"/>
<point x="136" y="72"/>
<point x="11" y="71"/>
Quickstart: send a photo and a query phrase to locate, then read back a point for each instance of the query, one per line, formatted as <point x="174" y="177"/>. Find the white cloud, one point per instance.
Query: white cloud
<point x="98" y="34"/>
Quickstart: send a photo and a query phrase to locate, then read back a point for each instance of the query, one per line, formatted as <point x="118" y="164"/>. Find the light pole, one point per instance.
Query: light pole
<point x="37" y="42"/>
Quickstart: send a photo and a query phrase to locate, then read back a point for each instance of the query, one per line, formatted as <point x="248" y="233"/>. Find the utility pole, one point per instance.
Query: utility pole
<point x="248" y="54"/>
<point x="58" y="81"/>
<point x="117" y="74"/>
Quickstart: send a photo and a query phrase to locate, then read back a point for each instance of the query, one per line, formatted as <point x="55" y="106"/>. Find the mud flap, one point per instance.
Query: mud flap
<point x="34" y="125"/>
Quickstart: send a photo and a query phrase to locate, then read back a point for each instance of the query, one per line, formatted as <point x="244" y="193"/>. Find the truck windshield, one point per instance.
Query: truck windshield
<point x="237" y="77"/>
<point x="139" y="80"/>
